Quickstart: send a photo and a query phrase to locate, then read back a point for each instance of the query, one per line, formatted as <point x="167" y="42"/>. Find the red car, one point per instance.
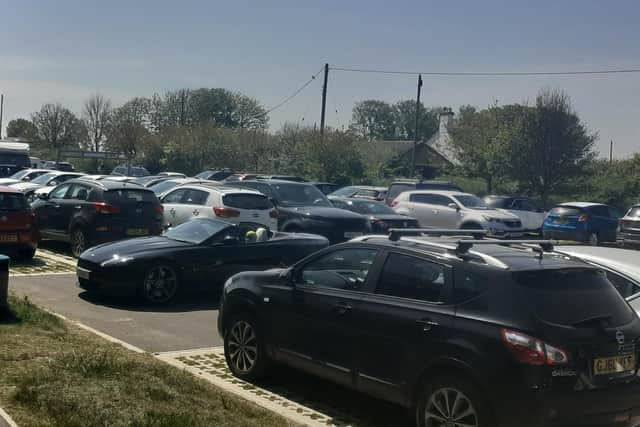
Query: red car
<point x="18" y="232"/>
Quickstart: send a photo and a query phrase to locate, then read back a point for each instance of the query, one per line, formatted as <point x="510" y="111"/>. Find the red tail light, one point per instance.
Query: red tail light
<point x="159" y="209"/>
<point x="394" y="203"/>
<point x="583" y="218"/>
<point x="379" y="224"/>
<point x="226" y="212"/>
<point x="273" y="213"/>
<point x="532" y="351"/>
<point x="105" y="208"/>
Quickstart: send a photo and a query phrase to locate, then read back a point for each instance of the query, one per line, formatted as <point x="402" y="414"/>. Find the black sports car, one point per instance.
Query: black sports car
<point x="203" y="252"/>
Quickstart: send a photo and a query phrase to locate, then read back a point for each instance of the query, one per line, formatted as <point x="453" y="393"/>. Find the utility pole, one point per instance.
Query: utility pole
<point x="416" y="135"/>
<point x="1" y="111"/>
<point x="324" y="98"/>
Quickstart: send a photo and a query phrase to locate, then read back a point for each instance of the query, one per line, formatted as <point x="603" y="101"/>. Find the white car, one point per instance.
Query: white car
<point x="233" y="205"/>
<point x="524" y="208"/>
<point x="25" y="175"/>
<point x="453" y="209"/>
<point x="50" y="179"/>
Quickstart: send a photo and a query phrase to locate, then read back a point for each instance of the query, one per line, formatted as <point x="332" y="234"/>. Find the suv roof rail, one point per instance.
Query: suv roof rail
<point x="396" y="233"/>
<point x="544" y="245"/>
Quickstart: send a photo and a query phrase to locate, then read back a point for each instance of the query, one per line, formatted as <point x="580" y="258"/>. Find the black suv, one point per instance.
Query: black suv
<point x="464" y="332"/>
<point x="302" y="208"/>
<point x="86" y="212"/>
<point x="401" y="186"/>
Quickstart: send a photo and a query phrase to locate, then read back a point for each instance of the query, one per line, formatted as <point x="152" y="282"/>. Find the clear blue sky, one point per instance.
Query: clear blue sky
<point x="64" y="50"/>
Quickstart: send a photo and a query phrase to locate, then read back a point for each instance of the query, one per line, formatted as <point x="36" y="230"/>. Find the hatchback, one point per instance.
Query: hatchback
<point x="463" y="332"/>
<point x="18" y="231"/>
<point x="591" y="223"/>
<point x="85" y="212"/>
<point x="233" y="205"/>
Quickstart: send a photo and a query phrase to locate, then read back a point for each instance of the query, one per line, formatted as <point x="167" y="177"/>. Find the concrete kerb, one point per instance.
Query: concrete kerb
<point x="5" y="420"/>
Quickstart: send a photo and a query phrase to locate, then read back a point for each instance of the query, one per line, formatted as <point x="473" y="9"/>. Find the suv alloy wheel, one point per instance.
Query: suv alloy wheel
<point x="244" y="348"/>
<point x="78" y="242"/>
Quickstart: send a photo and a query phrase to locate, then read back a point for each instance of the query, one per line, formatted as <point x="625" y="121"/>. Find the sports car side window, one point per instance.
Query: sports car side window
<point x="342" y="269"/>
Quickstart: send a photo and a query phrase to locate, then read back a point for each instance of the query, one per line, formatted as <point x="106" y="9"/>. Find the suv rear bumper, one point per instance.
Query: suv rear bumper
<point x="631" y="238"/>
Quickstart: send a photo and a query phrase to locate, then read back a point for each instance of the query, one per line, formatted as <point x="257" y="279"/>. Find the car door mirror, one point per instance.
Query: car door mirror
<point x="273" y="201"/>
<point x="43" y="196"/>
<point x="287" y="275"/>
<point x="454" y="206"/>
<point x="230" y="240"/>
<point x="53" y="183"/>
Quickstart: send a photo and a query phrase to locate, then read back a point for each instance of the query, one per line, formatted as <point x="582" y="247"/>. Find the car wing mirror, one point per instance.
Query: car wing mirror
<point x="230" y="240"/>
<point x="43" y="196"/>
<point x="273" y="201"/>
<point x="454" y="206"/>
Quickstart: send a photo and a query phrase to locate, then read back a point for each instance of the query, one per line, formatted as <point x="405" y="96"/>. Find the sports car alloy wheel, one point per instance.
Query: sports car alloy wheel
<point x="160" y="284"/>
<point x="243" y="346"/>
<point x="448" y="407"/>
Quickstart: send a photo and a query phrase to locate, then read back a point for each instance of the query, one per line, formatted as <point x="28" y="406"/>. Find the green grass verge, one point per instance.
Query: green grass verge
<point x="54" y="374"/>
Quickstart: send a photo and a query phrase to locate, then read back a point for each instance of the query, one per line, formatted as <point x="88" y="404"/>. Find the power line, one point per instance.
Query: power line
<point x="489" y="74"/>
<point x="294" y="94"/>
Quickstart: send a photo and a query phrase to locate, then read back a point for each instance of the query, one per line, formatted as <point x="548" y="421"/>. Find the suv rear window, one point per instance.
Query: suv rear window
<point x="396" y="189"/>
<point x="13" y="202"/>
<point x="634" y="212"/>
<point x="118" y="197"/>
<point x="574" y="297"/>
<point x="565" y="211"/>
<point x="247" y="201"/>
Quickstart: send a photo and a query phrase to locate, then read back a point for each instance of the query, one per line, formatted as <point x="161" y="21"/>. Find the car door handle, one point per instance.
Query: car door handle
<point x="435" y="211"/>
<point x="342" y="307"/>
<point x="427" y="325"/>
<point x="77" y="207"/>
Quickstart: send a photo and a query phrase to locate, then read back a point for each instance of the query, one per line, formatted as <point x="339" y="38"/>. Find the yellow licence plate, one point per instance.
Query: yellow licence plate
<point x="614" y="365"/>
<point x="8" y="237"/>
<point x="137" y="231"/>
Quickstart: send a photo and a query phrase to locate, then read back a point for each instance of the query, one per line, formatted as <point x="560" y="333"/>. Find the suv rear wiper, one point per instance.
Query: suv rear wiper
<point x="593" y="319"/>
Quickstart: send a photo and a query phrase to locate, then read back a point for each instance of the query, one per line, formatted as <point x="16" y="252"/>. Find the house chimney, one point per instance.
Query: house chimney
<point x="444" y="118"/>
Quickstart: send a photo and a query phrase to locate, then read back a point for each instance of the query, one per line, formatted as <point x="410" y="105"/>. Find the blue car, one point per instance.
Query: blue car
<point x="591" y="223"/>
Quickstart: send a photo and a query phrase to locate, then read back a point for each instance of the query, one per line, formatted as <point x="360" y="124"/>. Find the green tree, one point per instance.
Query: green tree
<point x="57" y="127"/>
<point x="405" y="120"/>
<point x="373" y="119"/>
<point x="128" y="127"/>
<point x="22" y="128"/>
<point x="551" y="145"/>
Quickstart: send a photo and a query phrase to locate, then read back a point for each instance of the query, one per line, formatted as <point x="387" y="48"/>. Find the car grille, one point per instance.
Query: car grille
<point x="629" y="226"/>
<point x="407" y="223"/>
<point x="83" y="263"/>
<point x="512" y="223"/>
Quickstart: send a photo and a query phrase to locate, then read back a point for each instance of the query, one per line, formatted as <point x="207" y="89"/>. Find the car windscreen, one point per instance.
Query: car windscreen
<point x="371" y="208"/>
<point x="496" y="202"/>
<point x="300" y="195"/>
<point x="20" y="174"/>
<point x="197" y="231"/>
<point x="163" y="186"/>
<point x="13" y="202"/>
<point x="247" y="201"/>
<point x="470" y="201"/>
<point x="15" y="159"/>
<point x="574" y="297"/>
<point x="44" y="179"/>
<point x="634" y="212"/>
<point x="565" y="211"/>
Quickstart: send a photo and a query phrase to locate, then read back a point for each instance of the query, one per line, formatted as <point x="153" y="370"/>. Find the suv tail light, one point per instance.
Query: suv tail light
<point x="532" y="351"/>
<point x="583" y="218"/>
<point x="226" y="212"/>
<point x="273" y="213"/>
<point x="394" y="203"/>
<point x="159" y="209"/>
<point x="105" y="208"/>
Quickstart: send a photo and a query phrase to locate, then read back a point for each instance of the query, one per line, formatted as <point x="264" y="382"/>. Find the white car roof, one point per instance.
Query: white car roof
<point x="581" y="204"/>
<point x="221" y="189"/>
<point x="625" y="261"/>
<point x="440" y="192"/>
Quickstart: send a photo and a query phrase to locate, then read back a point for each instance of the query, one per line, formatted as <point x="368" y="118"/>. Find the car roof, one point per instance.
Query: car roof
<point x="222" y="189"/>
<point x="109" y="184"/>
<point x="441" y="192"/>
<point x="581" y="204"/>
<point x="5" y="189"/>
<point x="488" y="255"/>
<point x="274" y="181"/>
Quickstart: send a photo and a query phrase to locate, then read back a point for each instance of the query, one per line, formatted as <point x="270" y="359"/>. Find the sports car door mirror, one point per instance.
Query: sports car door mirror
<point x="230" y="240"/>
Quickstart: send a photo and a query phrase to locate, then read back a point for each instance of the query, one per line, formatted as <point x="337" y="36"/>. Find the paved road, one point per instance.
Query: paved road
<point x="188" y="324"/>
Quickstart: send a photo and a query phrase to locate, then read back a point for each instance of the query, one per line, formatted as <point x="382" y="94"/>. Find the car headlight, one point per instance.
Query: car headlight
<point x="116" y="260"/>
<point x="490" y="218"/>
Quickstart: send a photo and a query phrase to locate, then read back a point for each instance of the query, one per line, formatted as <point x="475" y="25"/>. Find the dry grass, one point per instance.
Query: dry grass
<point x="53" y="374"/>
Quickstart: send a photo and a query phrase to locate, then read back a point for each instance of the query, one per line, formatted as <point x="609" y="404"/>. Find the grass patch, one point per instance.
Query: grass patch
<point x="54" y="374"/>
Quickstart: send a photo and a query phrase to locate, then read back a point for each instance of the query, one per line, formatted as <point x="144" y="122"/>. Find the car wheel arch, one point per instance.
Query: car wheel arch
<point x="471" y="225"/>
<point x="237" y="305"/>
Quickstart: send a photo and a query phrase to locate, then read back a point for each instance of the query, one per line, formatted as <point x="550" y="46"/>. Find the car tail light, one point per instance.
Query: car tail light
<point x="105" y="208"/>
<point x="583" y="218"/>
<point x="532" y="351"/>
<point x="226" y="212"/>
<point x="159" y="209"/>
<point x="379" y="224"/>
<point x="394" y="203"/>
<point x="273" y="213"/>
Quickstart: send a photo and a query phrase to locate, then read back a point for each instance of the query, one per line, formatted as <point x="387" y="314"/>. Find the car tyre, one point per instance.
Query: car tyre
<point x="160" y="284"/>
<point x="452" y="400"/>
<point x="593" y="239"/>
<point x="27" y="254"/>
<point x="244" y="347"/>
<point x="79" y="242"/>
